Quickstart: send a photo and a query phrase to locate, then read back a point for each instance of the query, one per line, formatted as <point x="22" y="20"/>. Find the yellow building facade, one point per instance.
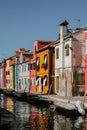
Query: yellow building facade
<point x="45" y="70"/>
<point x="11" y="77"/>
<point x="12" y="72"/>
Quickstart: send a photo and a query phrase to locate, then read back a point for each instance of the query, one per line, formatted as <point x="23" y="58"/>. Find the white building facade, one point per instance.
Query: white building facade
<point x="69" y="63"/>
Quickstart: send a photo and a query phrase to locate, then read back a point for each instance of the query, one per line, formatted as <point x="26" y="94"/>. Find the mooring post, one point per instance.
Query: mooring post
<point x="84" y="97"/>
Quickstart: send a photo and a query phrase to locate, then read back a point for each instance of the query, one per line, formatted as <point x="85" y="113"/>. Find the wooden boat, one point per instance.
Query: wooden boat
<point x="38" y="100"/>
<point x="6" y="117"/>
<point x="66" y="108"/>
<point x="20" y="95"/>
<point x="8" y="92"/>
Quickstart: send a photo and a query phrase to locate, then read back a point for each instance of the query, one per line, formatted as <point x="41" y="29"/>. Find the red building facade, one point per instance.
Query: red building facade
<point x="4" y="73"/>
<point x="85" y="36"/>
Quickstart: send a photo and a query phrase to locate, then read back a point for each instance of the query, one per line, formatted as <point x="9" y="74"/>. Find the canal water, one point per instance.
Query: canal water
<point x="29" y="117"/>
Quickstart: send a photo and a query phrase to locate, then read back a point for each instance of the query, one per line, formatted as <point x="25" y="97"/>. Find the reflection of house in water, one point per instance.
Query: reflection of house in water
<point x="22" y="110"/>
<point x="2" y="101"/>
<point x="62" y="123"/>
<point x="78" y="122"/>
<point x="33" y="117"/>
<point x="9" y="104"/>
<point x="40" y="118"/>
<point x="43" y="119"/>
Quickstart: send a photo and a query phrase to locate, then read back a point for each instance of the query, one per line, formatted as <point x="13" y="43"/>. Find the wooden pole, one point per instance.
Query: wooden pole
<point x="49" y="90"/>
<point x="84" y="96"/>
<point x="69" y="98"/>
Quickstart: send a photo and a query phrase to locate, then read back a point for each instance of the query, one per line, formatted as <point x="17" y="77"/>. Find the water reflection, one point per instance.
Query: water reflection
<point x="2" y="101"/>
<point x="22" y="114"/>
<point x="29" y="117"/>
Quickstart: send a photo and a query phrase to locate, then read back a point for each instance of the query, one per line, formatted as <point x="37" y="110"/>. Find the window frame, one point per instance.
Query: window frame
<point x="67" y="49"/>
<point x="57" y="53"/>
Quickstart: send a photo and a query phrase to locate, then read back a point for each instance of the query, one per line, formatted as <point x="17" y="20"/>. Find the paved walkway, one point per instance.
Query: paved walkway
<point x="56" y="98"/>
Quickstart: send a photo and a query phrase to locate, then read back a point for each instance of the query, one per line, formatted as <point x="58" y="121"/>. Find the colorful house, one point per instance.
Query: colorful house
<point x="45" y="69"/>
<point x="85" y="37"/>
<point x="17" y="54"/>
<point x="8" y="73"/>
<point x="12" y="72"/>
<point x="33" y="68"/>
<point x="38" y="44"/>
<point x="69" y="63"/>
<point x="33" y="73"/>
<point x="22" y="72"/>
<point x="4" y="74"/>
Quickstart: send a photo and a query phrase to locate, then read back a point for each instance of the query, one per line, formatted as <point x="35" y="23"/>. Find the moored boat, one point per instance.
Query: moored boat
<point x="38" y="100"/>
<point x="20" y="95"/>
<point x="6" y="117"/>
<point x="66" y="108"/>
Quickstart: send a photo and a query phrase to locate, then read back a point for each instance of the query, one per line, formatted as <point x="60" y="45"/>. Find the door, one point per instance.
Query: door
<point x="57" y="85"/>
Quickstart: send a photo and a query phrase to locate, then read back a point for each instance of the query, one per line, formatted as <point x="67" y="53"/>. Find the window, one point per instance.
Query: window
<point x="45" y="81"/>
<point x="57" y="84"/>
<point x="20" y="69"/>
<point x="8" y="72"/>
<point x="67" y="49"/>
<point x="44" y="65"/>
<point x="25" y="81"/>
<point x="16" y="60"/>
<point x="38" y="64"/>
<point x="29" y="67"/>
<point x="80" y="79"/>
<point x="33" y="82"/>
<point x="22" y="81"/>
<point x="28" y="81"/>
<point x="33" y="66"/>
<point x="45" y="59"/>
<point x="37" y="81"/>
<point x="57" y="53"/>
<point x="37" y="61"/>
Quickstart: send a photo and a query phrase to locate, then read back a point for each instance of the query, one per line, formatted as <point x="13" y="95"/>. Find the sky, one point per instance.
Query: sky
<point x="23" y="21"/>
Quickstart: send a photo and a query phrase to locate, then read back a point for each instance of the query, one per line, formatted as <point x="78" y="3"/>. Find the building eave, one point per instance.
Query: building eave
<point x="66" y="37"/>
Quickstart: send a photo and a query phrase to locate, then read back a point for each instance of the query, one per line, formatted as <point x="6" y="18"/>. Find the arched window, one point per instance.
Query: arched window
<point x="45" y="81"/>
<point x="37" y="63"/>
<point x="37" y="81"/>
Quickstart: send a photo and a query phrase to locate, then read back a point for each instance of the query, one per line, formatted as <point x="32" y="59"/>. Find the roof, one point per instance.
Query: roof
<point x="51" y="45"/>
<point x="44" y="41"/>
<point x="71" y="34"/>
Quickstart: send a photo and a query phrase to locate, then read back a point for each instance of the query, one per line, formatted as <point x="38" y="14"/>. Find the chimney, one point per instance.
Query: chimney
<point x="63" y="30"/>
